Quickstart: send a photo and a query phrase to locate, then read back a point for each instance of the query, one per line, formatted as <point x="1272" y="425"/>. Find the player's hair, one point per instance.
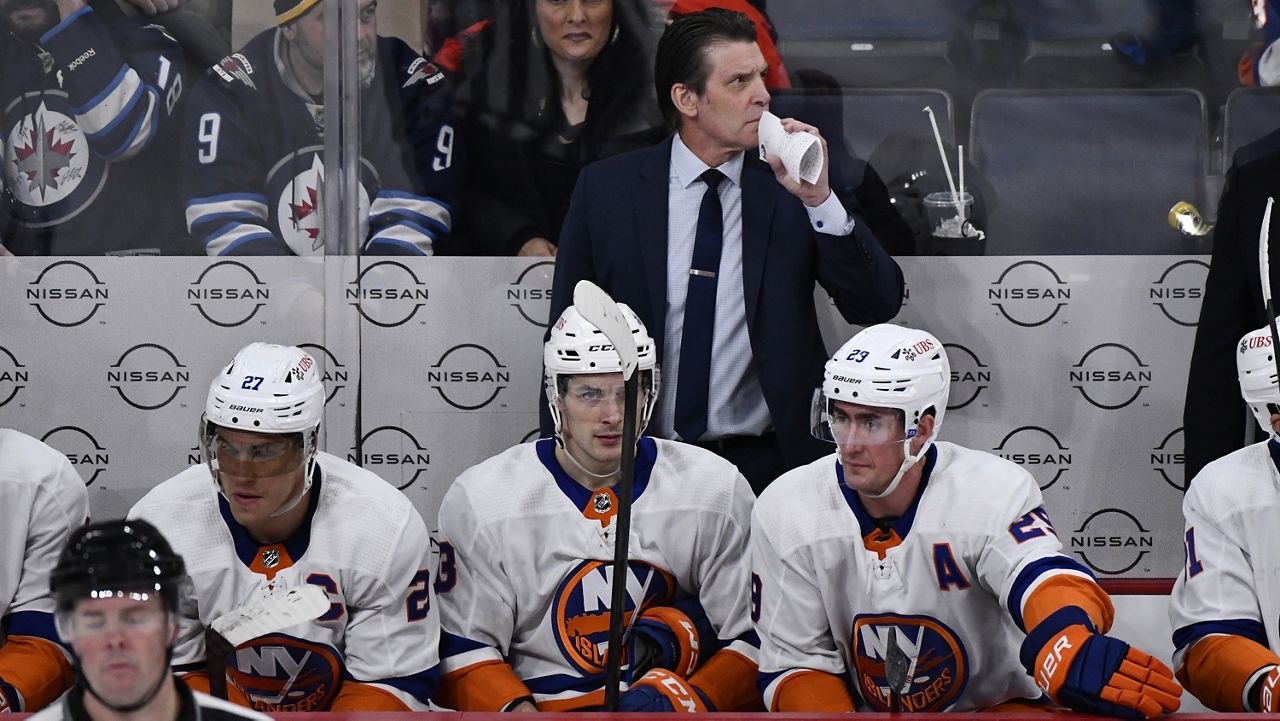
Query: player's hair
<point x="682" y="53"/>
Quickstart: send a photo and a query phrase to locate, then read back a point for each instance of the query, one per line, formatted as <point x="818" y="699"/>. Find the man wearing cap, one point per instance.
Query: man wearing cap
<point x="253" y="151"/>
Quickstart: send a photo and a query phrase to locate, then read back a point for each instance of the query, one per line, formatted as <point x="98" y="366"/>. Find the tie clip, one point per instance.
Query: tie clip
<point x="702" y="273"/>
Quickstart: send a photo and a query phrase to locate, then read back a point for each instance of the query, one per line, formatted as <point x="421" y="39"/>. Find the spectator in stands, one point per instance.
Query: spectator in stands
<point x="1260" y="65"/>
<point x="551" y="85"/>
<point x="252" y="155"/>
<point x="719" y="253"/>
<point x="89" y="122"/>
<point x="1214" y="418"/>
<point x="766" y="36"/>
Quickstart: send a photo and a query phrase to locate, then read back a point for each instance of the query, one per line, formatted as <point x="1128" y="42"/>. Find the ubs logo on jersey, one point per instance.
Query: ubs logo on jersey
<point x="969" y="376"/>
<point x="468" y="376"/>
<point x="387" y="294"/>
<point x="83" y="450"/>
<point x="1029" y="293"/>
<point x="580" y="608"/>
<point x="1167" y="460"/>
<point x="148" y="376"/>
<point x="1038" y="451"/>
<point x="228" y="294"/>
<point x="297" y="185"/>
<point x="282" y="673"/>
<point x="1178" y="290"/>
<point x="1112" y="541"/>
<point x="13" y="376"/>
<point x="394" y="454"/>
<point x="1110" y="376"/>
<point x="67" y="293"/>
<point x="48" y="166"/>
<point x="938" y="670"/>
<point x="332" y="372"/>
<point x="530" y="294"/>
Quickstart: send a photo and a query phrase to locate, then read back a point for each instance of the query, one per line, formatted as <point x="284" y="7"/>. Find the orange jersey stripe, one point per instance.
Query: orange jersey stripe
<point x="37" y="668"/>
<point x="586" y="702"/>
<point x="356" y="696"/>
<point x="813" y="691"/>
<point x="1216" y="668"/>
<point x="729" y="680"/>
<point x="1065" y="589"/>
<point x="485" y="686"/>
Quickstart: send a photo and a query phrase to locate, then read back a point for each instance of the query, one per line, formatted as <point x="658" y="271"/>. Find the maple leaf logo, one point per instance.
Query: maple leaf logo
<point x="43" y="158"/>
<point x="304" y="210"/>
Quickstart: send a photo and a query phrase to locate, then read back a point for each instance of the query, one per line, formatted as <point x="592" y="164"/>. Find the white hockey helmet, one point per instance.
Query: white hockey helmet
<point x="887" y="366"/>
<point x="266" y="388"/>
<point x="577" y="347"/>
<point x="1256" y="368"/>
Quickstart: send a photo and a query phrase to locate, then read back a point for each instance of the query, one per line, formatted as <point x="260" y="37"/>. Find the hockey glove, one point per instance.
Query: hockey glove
<point x="1092" y="673"/>
<point x="661" y="691"/>
<point x="1269" y="692"/>
<point x="670" y="637"/>
<point x="10" y="701"/>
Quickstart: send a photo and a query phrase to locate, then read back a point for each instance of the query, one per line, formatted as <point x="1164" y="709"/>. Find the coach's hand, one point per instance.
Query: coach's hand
<point x="811" y="194"/>
<point x="1092" y="673"/>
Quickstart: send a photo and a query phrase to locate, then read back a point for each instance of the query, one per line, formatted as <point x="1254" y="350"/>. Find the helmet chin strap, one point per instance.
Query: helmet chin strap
<point x="578" y="464"/>
<point x="907" y="462"/>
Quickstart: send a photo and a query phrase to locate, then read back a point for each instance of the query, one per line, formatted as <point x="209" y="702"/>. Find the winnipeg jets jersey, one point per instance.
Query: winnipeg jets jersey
<point x="362" y="542"/>
<point x="253" y="156"/>
<point x="1260" y="64"/>
<point x="1230" y="583"/>
<point x="88" y="128"/>
<point x="44" y="501"/>
<point x="526" y="554"/>
<point x="951" y="576"/>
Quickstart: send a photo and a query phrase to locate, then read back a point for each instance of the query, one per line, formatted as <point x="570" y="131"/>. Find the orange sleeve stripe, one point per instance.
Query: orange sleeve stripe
<point x="586" y="702"/>
<point x="729" y="680"/>
<point x="813" y="691"/>
<point x="199" y="681"/>
<point x="356" y="696"/>
<point x="37" y="668"/>
<point x="485" y="686"/>
<point x="1216" y="668"/>
<point x="1066" y="589"/>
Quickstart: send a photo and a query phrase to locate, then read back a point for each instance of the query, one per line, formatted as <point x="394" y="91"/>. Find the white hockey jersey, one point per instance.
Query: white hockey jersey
<point x="44" y="501"/>
<point x="1230" y="582"/>
<point x="952" y="577"/>
<point x="362" y="541"/>
<point x="526" y="553"/>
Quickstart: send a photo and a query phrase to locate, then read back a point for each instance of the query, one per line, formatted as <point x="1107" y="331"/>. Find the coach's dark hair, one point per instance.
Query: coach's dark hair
<point x="682" y="52"/>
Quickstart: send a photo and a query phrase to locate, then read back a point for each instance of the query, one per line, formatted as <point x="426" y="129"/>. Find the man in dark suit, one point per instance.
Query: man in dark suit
<point x="718" y="253"/>
<point x="1215" y="419"/>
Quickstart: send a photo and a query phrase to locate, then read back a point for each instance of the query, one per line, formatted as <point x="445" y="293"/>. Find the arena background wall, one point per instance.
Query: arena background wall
<point x="1074" y="366"/>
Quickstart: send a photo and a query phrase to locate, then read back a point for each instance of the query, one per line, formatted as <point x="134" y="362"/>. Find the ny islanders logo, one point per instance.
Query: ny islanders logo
<point x="283" y="673"/>
<point x="580" y="608"/>
<point x="47" y="163"/>
<point x="938" y="665"/>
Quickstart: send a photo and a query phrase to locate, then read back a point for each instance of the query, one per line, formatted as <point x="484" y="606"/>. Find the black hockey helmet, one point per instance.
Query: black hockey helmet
<point x="116" y="558"/>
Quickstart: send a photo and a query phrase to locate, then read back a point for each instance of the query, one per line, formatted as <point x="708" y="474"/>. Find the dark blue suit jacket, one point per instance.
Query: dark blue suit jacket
<point x="616" y="235"/>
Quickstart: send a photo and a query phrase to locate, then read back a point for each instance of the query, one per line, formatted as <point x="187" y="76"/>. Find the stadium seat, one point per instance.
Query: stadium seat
<point x="1067" y="45"/>
<point x="877" y="43"/>
<point x="1251" y="114"/>
<point x="866" y="118"/>
<point x="1089" y="172"/>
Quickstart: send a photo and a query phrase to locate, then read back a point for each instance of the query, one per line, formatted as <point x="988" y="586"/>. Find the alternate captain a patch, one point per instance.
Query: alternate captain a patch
<point x="938" y="670"/>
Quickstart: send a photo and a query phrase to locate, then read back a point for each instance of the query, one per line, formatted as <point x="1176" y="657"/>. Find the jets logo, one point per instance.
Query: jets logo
<point x="297" y="184"/>
<point x="47" y="163"/>
<point x="580" y="608"/>
<point x="283" y="673"/>
<point x="938" y="665"/>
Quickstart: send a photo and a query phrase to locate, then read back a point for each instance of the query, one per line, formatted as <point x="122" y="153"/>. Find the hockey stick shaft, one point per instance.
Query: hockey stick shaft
<point x="621" y="550"/>
<point x="1264" y="275"/>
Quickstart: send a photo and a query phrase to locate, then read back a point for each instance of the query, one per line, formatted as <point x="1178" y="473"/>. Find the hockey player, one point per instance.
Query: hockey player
<point x="526" y="549"/>
<point x="117" y="586"/>
<point x="44" y="501"/>
<point x="253" y="154"/>
<point x="87" y="107"/>
<point x="905" y="571"/>
<point x="1224" y="607"/>
<point x="267" y="512"/>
